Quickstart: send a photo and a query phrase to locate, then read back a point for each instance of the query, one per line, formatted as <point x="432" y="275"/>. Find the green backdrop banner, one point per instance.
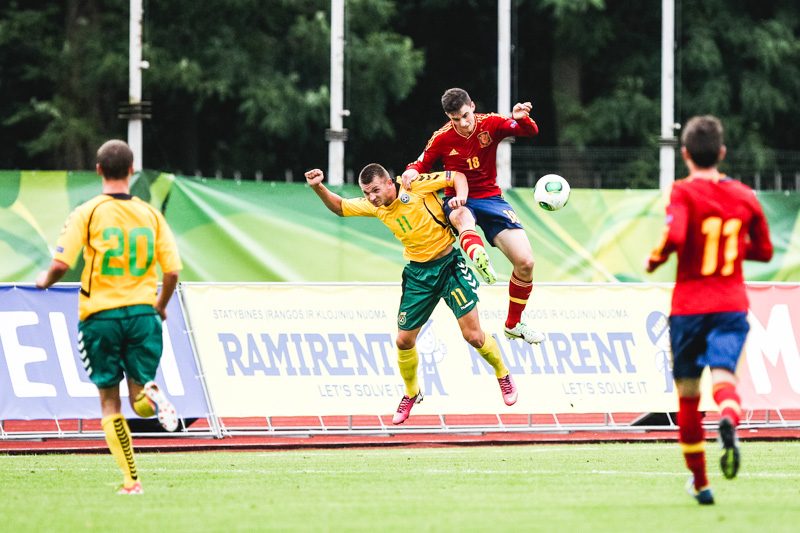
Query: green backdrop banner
<point x="267" y="231"/>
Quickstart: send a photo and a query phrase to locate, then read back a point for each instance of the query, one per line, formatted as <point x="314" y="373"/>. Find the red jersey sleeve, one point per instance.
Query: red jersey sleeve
<point x="674" y="235"/>
<point x="759" y="244"/>
<point x="525" y="127"/>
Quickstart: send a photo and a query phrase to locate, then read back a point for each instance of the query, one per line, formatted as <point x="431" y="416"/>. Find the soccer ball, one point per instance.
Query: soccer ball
<point x="552" y="192"/>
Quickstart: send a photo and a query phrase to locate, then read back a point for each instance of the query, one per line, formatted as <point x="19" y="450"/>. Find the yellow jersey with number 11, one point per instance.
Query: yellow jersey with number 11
<point x="415" y="217"/>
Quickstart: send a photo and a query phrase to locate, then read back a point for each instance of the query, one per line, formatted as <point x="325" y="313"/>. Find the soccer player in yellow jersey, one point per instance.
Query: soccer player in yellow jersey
<point x="119" y="309"/>
<point x="435" y="270"/>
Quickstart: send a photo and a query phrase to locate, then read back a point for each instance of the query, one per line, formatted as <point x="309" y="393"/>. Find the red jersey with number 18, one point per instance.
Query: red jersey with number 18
<point x="713" y="225"/>
<point x="476" y="154"/>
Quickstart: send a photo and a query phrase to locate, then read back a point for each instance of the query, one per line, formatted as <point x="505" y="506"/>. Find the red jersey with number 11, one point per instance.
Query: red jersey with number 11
<point x="476" y="154"/>
<point x="713" y="225"/>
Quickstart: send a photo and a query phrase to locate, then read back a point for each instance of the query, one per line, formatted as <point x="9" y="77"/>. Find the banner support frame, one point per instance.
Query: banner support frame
<point x="212" y="415"/>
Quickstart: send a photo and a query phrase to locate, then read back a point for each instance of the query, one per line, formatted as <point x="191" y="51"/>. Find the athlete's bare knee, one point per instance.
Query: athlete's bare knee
<point x="523" y="268"/>
<point x="462" y="219"/>
<point x="688" y="387"/>
<point x="474" y="337"/>
<point x="405" y="342"/>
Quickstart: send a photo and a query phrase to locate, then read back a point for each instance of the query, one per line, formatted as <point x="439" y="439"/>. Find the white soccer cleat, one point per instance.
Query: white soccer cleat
<point x="524" y="332"/>
<point x="484" y="266"/>
<point x="167" y="415"/>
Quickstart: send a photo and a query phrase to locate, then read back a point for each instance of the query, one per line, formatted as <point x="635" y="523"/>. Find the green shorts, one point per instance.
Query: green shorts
<point x="425" y="283"/>
<point x="125" y="340"/>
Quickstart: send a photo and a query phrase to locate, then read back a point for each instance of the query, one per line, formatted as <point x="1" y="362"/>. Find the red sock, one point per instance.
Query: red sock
<point x="692" y="440"/>
<point x="728" y="401"/>
<point x="518" y="293"/>
<point x="469" y="240"/>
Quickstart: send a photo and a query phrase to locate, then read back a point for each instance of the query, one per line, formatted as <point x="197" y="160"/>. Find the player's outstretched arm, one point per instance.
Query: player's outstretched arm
<point x="169" y="281"/>
<point x="674" y="234"/>
<point x="52" y="275"/>
<point x="521" y="124"/>
<point x="332" y="201"/>
<point x="461" y="186"/>
<point x="759" y="244"/>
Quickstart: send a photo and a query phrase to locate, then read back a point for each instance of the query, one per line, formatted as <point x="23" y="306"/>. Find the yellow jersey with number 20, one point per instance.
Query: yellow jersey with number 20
<point x="123" y="238"/>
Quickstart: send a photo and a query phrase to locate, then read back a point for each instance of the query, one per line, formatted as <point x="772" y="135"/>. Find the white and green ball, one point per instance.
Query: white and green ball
<point x="551" y="192"/>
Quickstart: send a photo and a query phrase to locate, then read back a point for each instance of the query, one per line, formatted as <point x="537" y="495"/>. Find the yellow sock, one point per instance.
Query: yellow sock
<point x="142" y="406"/>
<point x="118" y="438"/>
<point x="490" y="351"/>
<point x="408" y="361"/>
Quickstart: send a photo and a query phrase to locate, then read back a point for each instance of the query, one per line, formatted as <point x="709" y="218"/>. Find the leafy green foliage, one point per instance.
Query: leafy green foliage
<point x="244" y="85"/>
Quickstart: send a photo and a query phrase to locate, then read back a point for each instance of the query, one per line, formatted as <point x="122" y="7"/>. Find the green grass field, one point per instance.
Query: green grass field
<point x="597" y="487"/>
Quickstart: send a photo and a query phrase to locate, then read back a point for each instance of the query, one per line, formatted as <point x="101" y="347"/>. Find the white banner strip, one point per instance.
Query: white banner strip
<point x="289" y="350"/>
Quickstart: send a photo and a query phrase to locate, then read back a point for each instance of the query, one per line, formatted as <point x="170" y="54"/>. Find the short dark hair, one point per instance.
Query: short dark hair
<point x="115" y="158"/>
<point x="453" y="99"/>
<point x="702" y="138"/>
<point x="370" y="172"/>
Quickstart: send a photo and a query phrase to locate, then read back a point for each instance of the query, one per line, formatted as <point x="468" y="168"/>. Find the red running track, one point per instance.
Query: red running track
<point x="468" y="436"/>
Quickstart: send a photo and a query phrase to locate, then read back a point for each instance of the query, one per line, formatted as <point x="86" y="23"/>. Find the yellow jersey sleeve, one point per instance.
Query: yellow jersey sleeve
<point x="357" y="207"/>
<point x="432" y="182"/>
<point x="71" y="240"/>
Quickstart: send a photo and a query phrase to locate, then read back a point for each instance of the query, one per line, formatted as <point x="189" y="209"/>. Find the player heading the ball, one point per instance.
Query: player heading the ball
<point x="468" y="143"/>
<point x="435" y="269"/>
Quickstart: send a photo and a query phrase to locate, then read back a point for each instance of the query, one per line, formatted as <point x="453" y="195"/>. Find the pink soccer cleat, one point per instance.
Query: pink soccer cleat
<point x="136" y="488"/>
<point x="404" y="409"/>
<point x="509" y="389"/>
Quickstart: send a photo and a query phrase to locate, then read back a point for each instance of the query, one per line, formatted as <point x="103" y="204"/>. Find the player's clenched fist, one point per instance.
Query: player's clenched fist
<point x="314" y="176"/>
<point x="521" y="111"/>
<point x="457" y="201"/>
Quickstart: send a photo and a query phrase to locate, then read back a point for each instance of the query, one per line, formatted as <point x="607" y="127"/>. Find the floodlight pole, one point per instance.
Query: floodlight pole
<point x="135" y="66"/>
<point x="336" y="134"/>
<point x="667" y="141"/>
<point x="504" y="87"/>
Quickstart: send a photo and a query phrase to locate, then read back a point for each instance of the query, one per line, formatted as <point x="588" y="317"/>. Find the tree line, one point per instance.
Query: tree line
<point x="243" y="85"/>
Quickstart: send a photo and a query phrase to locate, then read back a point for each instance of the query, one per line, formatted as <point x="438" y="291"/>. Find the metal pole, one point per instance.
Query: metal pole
<point x="135" y="66"/>
<point x="336" y="135"/>
<point x="504" y="87"/>
<point x="667" y="140"/>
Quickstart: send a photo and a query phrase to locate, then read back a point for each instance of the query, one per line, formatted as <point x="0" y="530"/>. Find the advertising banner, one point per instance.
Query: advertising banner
<point x="41" y="373"/>
<point x="769" y="373"/>
<point x="292" y="350"/>
<point x="330" y="349"/>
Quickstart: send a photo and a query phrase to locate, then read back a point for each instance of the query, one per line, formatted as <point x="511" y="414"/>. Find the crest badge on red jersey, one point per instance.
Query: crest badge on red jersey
<point x="484" y="139"/>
